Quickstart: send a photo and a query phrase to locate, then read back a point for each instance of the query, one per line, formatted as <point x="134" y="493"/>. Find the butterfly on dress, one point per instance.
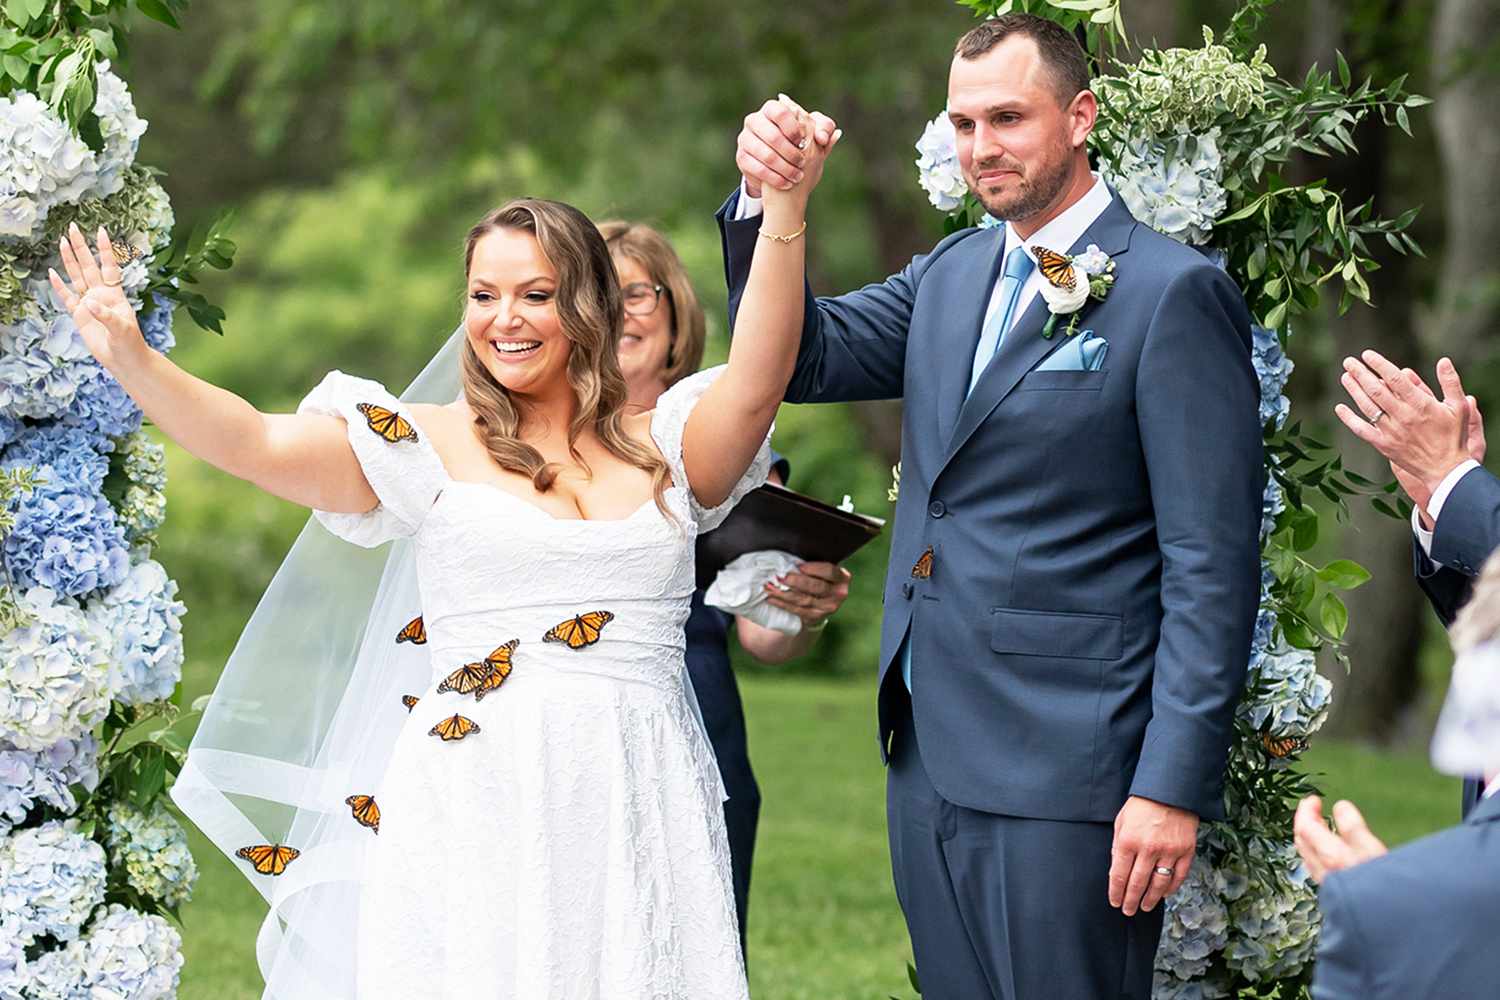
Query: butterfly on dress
<point x="389" y="424"/>
<point x="366" y="812"/>
<point x="453" y="728"/>
<point x="923" y="569"/>
<point x="269" y="859"/>
<point x="479" y="679"/>
<point x="414" y="632"/>
<point x="1282" y="747"/>
<point x="1056" y="268"/>
<point x="580" y="631"/>
<point x="410" y="701"/>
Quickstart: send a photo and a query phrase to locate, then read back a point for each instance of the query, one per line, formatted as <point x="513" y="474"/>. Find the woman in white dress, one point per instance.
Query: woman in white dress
<point x="545" y="821"/>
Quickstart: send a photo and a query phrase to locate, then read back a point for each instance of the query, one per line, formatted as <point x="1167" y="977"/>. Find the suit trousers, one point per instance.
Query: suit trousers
<point x="1007" y="907"/>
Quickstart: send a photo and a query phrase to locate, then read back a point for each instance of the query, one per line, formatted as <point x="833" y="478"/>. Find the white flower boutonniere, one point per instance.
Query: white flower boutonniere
<point x="1071" y="282"/>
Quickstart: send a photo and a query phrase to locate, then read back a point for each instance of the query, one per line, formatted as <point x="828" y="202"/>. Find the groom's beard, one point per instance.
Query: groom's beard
<point x="1032" y="195"/>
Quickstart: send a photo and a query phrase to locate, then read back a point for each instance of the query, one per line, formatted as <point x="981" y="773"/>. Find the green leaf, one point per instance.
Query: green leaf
<point x="1256" y="266"/>
<point x="158" y="11"/>
<point x="1334" y="616"/>
<point x="18" y="11"/>
<point x="16" y="68"/>
<point x="1417" y="101"/>
<point x="911" y="977"/>
<point x="1344" y="574"/>
<point x="1299" y="635"/>
<point x="1343" y="65"/>
<point x="1403" y="119"/>
<point x="1276" y="316"/>
<point x="1305" y="531"/>
<point x="36" y="7"/>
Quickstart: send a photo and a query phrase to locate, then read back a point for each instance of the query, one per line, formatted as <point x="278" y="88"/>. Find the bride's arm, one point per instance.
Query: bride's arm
<point x="304" y="458"/>
<point x="732" y="419"/>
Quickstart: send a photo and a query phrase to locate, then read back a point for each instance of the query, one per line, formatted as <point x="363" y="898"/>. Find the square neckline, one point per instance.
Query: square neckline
<point x="544" y="512"/>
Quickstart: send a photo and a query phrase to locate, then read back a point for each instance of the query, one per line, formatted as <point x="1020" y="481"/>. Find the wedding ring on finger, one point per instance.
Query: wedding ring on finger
<point x="1377" y="417"/>
<point x="1164" y="871"/>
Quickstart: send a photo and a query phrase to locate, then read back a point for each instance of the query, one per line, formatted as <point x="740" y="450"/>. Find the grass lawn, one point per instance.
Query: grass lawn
<point x="823" y="917"/>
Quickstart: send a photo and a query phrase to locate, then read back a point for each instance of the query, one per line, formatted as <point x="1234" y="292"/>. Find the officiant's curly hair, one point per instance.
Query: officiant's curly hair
<point x="592" y="315"/>
<point x="1060" y="51"/>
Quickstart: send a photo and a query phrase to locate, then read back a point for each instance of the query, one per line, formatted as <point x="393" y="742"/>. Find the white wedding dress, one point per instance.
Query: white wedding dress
<point x="572" y="846"/>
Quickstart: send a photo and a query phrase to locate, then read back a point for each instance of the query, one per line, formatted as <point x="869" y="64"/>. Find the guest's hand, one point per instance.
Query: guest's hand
<point x="1148" y="836"/>
<point x="1407" y="481"/>
<point x="772" y="148"/>
<point x="1324" y="850"/>
<point x="813" y="591"/>
<point x="1410" y="426"/>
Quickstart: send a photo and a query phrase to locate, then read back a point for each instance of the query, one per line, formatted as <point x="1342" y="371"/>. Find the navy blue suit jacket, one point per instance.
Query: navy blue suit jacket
<point x="1085" y="630"/>
<point x="1419" y="922"/>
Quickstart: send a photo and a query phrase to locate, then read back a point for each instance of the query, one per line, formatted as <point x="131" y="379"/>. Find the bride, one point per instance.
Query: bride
<point x="487" y="780"/>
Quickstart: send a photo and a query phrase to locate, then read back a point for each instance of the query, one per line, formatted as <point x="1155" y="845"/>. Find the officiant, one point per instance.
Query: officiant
<point x="662" y="343"/>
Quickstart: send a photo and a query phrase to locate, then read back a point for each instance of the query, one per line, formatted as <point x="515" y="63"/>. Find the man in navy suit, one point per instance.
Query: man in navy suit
<point x="1075" y="561"/>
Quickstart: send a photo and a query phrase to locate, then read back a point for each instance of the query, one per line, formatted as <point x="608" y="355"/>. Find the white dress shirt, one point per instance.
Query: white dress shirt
<point x="1435" y="505"/>
<point x="1060" y="234"/>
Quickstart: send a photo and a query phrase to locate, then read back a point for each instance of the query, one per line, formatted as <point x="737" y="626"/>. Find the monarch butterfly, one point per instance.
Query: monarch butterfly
<point x="500" y="667"/>
<point x="923" y="569"/>
<point x="1056" y="268"/>
<point x="466" y="679"/>
<point x="366" y="812"/>
<point x="455" y="727"/>
<point x="1283" y="746"/>
<point x="125" y="252"/>
<point x="410" y="701"/>
<point x="387" y="423"/>
<point x="414" y="632"/>
<point x="580" y="631"/>
<point x="269" y="859"/>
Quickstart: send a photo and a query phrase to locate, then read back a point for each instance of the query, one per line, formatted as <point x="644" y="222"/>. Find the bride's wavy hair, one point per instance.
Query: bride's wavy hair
<point x="591" y="312"/>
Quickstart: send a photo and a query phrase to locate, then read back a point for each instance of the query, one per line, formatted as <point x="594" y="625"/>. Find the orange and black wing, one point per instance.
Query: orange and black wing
<point x="414" y="632"/>
<point x="269" y="859"/>
<point x="410" y="701"/>
<point x="1281" y="747"/>
<point x="366" y="812"/>
<point x="455" y="727"/>
<point x="387" y="423"/>
<point x="1056" y="268"/>
<point x="466" y="679"/>
<point x="125" y="252"/>
<point x="500" y="666"/>
<point x="583" y="630"/>
<point x="923" y="569"/>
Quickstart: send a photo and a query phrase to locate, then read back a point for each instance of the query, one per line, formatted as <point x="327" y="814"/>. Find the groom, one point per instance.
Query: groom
<point x="1075" y="563"/>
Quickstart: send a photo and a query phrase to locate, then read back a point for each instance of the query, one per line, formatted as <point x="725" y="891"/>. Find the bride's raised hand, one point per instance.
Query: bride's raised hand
<point x="95" y="296"/>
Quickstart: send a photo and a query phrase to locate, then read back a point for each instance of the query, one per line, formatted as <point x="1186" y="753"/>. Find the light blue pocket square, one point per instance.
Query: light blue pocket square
<point x="1083" y="353"/>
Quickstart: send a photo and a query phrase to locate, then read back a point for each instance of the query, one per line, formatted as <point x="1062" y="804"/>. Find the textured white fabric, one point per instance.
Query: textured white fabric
<point x="574" y="846"/>
<point x="740" y="589"/>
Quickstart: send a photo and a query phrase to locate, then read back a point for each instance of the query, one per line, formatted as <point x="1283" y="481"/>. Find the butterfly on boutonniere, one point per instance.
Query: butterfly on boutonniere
<point x="1070" y="281"/>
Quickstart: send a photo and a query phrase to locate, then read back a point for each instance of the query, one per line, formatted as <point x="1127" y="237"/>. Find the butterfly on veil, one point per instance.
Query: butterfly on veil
<point x="580" y="631"/>
<point x="414" y="632"/>
<point x="410" y="701"/>
<point x="479" y="679"/>
<point x="454" y="728"/>
<point x="365" y="811"/>
<point x="269" y="859"/>
<point x="389" y="424"/>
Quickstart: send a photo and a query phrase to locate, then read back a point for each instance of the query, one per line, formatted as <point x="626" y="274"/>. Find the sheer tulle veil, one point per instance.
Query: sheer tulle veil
<point x="304" y="714"/>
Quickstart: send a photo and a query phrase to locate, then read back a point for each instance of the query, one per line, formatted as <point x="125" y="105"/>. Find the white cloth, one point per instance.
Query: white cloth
<point x="1435" y="504"/>
<point x="1059" y="234"/>
<point x="1467" y="738"/>
<point x="574" y="846"/>
<point x="740" y="589"/>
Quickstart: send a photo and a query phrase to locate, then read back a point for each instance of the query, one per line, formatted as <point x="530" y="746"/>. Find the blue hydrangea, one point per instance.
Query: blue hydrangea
<point x="1273" y="925"/>
<point x="68" y="451"/>
<point x="156" y="327"/>
<point x="1196" y="924"/>
<point x="51" y="878"/>
<point x="1272" y="503"/>
<point x="1294" y="697"/>
<point x="54" y="674"/>
<point x="154" y="850"/>
<point x="103" y="409"/>
<point x="32" y="777"/>
<point x="43" y="358"/>
<point x="126" y="955"/>
<point x="1273" y="368"/>
<point x="144" y="621"/>
<point x="10" y="429"/>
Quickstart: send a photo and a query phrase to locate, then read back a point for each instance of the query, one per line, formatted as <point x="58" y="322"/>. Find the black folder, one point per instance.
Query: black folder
<point x="774" y="517"/>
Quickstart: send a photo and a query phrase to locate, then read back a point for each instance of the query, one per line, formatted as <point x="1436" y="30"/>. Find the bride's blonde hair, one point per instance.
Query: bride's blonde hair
<point x="591" y="313"/>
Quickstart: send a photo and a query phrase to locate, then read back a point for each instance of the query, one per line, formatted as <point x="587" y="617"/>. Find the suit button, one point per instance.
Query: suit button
<point x="936" y="508"/>
<point x="906" y="590"/>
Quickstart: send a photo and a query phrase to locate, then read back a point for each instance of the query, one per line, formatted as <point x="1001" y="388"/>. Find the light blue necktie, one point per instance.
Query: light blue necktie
<point x="1018" y="267"/>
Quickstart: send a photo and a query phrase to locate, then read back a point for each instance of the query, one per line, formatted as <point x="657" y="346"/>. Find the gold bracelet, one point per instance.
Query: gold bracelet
<point x="785" y="239"/>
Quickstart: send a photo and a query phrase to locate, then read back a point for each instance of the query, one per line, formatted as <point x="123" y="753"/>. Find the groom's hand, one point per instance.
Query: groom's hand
<point x="770" y="147"/>
<point x="1149" y="835"/>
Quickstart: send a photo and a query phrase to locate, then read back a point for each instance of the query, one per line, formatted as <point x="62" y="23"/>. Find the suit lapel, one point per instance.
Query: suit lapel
<point x="968" y="323"/>
<point x="1024" y="347"/>
<point x="1485" y="810"/>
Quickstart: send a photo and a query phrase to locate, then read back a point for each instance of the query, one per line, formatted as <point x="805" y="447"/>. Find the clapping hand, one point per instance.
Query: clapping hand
<point x="1324" y="850"/>
<point x="95" y="296"/>
<point x="782" y="147"/>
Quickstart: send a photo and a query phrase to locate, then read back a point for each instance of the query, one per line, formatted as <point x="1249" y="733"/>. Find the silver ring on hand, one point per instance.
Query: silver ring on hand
<point x="1376" y="418"/>
<point x="112" y="284"/>
<point x="1164" y="871"/>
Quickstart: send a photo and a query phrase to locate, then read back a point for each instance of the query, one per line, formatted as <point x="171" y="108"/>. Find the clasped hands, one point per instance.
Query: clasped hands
<point x="782" y="148"/>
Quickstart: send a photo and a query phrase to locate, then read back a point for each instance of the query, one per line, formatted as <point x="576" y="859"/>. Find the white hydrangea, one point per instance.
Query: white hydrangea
<point x="1172" y="185"/>
<point x="154" y="849"/>
<point x="1295" y="698"/>
<point x="51" y="878"/>
<point x="30" y="777"/>
<point x="43" y="358"/>
<point x="121" y="127"/>
<point x="13" y="972"/>
<point x="126" y="955"/>
<point x="44" y="164"/>
<point x="937" y="165"/>
<point x="54" y="674"/>
<point x="144" y="622"/>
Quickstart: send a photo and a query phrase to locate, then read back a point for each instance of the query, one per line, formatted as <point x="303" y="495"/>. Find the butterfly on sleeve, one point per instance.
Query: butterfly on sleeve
<point x="389" y="424"/>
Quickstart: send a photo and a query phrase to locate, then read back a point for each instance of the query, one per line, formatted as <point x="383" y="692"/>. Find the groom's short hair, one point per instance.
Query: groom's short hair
<point x="1061" y="53"/>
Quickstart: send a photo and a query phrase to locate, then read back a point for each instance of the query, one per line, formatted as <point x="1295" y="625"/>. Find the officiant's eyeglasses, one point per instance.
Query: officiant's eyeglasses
<point x="640" y="298"/>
